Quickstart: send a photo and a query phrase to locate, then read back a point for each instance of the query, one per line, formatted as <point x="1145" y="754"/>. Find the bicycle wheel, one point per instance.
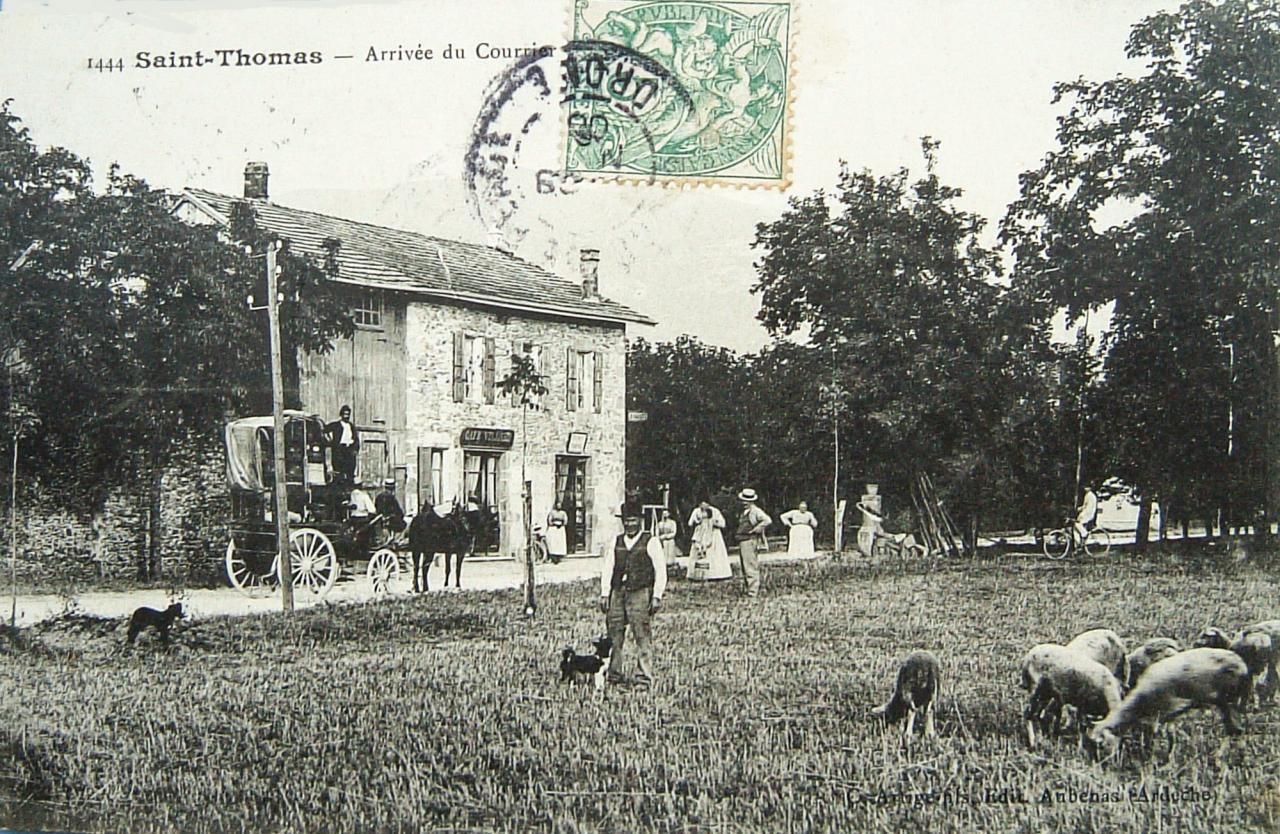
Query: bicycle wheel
<point x="1098" y="542"/>
<point x="1057" y="544"/>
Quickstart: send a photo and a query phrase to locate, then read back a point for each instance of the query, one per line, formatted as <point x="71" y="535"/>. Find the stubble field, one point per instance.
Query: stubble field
<point x="445" y="713"/>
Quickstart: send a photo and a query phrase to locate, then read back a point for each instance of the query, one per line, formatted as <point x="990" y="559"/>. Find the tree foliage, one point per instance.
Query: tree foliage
<point x="699" y="407"/>
<point x="898" y="295"/>
<point x="1188" y="155"/>
<point x="134" y="323"/>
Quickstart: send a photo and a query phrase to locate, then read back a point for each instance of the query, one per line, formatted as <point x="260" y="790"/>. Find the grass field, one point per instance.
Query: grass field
<point x="444" y="713"/>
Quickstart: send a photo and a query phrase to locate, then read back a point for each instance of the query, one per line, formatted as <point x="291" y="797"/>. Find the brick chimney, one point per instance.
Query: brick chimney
<point x="589" y="263"/>
<point x="255" y="181"/>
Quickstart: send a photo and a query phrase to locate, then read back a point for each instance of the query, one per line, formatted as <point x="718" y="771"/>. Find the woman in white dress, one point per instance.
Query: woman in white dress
<point x="667" y="536"/>
<point x="557" y="544"/>
<point x="708" y="557"/>
<point x="801" y="524"/>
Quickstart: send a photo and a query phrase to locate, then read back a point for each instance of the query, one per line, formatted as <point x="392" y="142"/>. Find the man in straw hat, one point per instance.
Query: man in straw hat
<point x="632" y="582"/>
<point x="388" y="506"/>
<point x="751" y="525"/>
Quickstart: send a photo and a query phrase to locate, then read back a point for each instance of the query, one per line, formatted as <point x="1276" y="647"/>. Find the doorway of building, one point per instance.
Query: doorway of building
<point x="571" y="494"/>
<point x="480" y="481"/>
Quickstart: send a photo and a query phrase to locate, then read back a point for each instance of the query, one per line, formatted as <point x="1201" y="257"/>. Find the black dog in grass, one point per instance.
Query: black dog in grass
<point x="581" y="668"/>
<point x="161" y="621"/>
<point x="915" y="691"/>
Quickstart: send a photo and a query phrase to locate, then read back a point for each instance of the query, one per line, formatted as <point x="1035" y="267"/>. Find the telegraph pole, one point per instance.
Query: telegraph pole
<point x="277" y="416"/>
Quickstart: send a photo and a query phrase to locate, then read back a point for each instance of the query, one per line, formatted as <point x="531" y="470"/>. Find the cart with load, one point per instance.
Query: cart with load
<point x="324" y="538"/>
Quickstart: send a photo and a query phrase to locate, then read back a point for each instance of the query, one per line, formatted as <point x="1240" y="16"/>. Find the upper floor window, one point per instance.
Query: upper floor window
<point x="473" y="368"/>
<point x="368" y="310"/>
<point x="584" y="380"/>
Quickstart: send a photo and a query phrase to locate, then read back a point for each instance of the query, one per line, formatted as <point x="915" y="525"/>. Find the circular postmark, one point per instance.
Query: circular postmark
<point x="553" y="112"/>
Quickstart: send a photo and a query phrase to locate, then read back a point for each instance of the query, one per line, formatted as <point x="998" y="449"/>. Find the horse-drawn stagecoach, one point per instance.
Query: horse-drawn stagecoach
<point x="323" y="537"/>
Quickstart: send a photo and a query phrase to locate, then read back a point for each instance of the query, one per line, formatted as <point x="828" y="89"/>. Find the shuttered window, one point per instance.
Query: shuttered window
<point x="597" y="365"/>
<point x="459" y="367"/>
<point x="474" y="368"/>
<point x="586" y="380"/>
<point x="477" y="369"/>
<point x="489" y="366"/>
<point x="571" y="379"/>
<point x="515" y="351"/>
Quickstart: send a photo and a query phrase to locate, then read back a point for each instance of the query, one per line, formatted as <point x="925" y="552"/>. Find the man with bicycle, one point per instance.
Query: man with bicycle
<point x="1087" y="515"/>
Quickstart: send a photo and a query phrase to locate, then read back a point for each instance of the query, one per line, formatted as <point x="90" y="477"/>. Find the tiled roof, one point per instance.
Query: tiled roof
<point x="393" y="259"/>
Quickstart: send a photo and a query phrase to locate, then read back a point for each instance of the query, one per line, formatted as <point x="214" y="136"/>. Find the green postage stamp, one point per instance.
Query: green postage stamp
<point x="680" y="91"/>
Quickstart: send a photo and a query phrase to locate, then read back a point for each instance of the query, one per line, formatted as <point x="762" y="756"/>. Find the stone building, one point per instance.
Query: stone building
<point x="437" y="324"/>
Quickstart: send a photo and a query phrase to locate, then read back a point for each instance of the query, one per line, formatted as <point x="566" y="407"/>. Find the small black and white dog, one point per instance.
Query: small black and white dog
<point x="581" y="668"/>
<point x="161" y="621"/>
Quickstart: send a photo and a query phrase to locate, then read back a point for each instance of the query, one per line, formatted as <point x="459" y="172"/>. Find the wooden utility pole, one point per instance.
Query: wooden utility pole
<point x="277" y="417"/>
<point x="836" y="515"/>
<point x="530" y="606"/>
<point x="13" y="510"/>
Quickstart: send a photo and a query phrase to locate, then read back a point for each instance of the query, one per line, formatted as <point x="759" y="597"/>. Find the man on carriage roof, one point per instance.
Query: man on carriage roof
<point x="344" y="439"/>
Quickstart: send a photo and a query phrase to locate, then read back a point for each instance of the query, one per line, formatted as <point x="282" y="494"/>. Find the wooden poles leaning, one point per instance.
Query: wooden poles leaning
<point x="936" y="525"/>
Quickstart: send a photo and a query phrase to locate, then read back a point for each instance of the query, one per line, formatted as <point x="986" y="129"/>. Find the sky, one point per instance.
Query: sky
<point x="385" y="141"/>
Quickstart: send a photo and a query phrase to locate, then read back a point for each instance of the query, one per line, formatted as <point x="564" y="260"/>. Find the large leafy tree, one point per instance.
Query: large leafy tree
<point x="134" y="323"/>
<point x="1161" y="201"/>
<point x="891" y="283"/>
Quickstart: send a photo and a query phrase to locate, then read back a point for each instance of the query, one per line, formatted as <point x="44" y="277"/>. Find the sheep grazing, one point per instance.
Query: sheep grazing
<point x="1106" y="647"/>
<point x="1212" y="638"/>
<point x="916" y="690"/>
<point x="1056" y="677"/>
<point x="1259" y="645"/>
<point x="1200" y="677"/>
<point x="1141" y="658"/>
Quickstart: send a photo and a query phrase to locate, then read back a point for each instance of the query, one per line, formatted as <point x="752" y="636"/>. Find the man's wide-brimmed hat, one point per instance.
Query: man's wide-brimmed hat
<point x="748" y="495"/>
<point x="389" y="482"/>
<point x="631" y="509"/>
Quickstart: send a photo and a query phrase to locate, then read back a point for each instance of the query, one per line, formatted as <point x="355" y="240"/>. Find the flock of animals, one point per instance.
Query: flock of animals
<point x="1092" y="683"/>
<point x="1105" y="690"/>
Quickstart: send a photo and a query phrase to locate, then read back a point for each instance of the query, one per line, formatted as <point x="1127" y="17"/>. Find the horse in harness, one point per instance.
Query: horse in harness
<point x="452" y="533"/>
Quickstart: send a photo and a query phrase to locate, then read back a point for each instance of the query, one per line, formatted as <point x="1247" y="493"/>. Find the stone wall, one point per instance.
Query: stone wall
<point x="62" y="542"/>
<point x="434" y="420"/>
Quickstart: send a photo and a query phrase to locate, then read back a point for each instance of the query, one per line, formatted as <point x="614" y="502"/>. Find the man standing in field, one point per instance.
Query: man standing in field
<point x="632" y="583"/>
<point x="751" y="525"/>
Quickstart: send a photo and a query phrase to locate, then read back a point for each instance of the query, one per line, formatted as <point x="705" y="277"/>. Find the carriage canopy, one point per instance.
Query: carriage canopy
<point x="248" y="439"/>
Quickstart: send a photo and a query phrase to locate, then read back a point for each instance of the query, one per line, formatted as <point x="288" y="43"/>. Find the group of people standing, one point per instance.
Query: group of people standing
<point x="708" y="558"/>
<point x="634" y="575"/>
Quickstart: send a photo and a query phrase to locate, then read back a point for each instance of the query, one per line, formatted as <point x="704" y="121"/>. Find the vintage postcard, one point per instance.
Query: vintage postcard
<point x="639" y="415"/>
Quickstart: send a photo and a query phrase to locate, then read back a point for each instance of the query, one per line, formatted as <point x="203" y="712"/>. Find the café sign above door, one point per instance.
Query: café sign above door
<point x="477" y="438"/>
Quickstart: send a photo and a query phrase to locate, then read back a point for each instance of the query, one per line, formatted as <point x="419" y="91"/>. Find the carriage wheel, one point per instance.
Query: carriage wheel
<point x="243" y="576"/>
<point x="313" y="561"/>
<point x="384" y="571"/>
